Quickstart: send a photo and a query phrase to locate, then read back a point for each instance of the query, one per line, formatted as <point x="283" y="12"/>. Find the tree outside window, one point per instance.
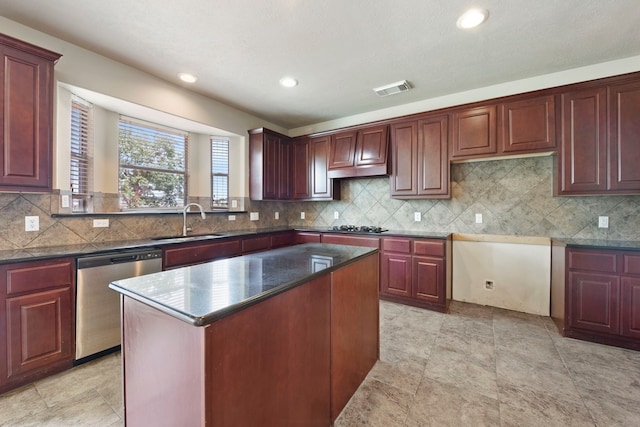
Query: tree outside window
<point x="153" y="166"/>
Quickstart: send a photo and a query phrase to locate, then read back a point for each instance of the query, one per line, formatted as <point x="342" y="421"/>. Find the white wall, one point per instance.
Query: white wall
<point x="520" y="268"/>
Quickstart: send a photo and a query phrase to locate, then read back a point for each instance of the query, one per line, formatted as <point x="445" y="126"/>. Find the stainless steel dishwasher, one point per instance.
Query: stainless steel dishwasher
<point x="97" y="306"/>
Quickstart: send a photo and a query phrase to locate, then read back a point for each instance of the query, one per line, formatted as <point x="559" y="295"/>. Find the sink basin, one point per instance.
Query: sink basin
<point x="190" y="236"/>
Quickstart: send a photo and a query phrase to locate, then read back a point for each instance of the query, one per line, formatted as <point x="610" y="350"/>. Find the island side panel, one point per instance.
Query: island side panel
<point x="354" y="328"/>
<point x="163" y="368"/>
<point x="268" y="365"/>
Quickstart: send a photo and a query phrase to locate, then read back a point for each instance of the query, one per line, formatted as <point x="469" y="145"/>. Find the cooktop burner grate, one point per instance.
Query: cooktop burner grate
<point x="358" y="228"/>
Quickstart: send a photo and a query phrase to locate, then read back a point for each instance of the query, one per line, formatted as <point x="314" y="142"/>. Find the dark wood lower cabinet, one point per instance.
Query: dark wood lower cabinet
<point x="37" y="320"/>
<point x="416" y="272"/>
<point x="601" y="291"/>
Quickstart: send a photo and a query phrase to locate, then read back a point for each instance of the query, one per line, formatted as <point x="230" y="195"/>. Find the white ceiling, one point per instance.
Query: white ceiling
<point x="338" y="49"/>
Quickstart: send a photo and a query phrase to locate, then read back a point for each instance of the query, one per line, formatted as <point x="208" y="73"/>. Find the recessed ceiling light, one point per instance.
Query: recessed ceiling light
<point x="187" y="78"/>
<point x="288" y="82"/>
<point x="472" y="18"/>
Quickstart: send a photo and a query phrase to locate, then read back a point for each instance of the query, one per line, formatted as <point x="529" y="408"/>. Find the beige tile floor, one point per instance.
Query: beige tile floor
<point x="475" y="366"/>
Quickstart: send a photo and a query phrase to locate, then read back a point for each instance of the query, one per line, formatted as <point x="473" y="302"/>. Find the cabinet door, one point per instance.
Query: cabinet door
<point x="395" y="274"/>
<point x="583" y="151"/>
<point x="624" y="142"/>
<point x="284" y="170"/>
<point x="301" y="170"/>
<point x="429" y="280"/>
<point x="630" y="307"/>
<point x="527" y="125"/>
<point x="372" y="146"/>
<point x="25" y="117"/>
<point x="593" y="300"/>
<point x="321" y="185"/>
<point x="271" y="165"/>
<point x="342" y="154"/>
<point x="38" y="330"/>
<point x="433" y="161"/>
<point x="404" y="152"/>
<point x="474" y="132"/>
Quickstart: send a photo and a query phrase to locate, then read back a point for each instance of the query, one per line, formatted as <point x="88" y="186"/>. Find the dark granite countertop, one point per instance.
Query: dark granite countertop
<point x="204" y="293"/>
<point x="599" y="244"/>
<point x="388" y="233"/>
<point x="49" y="252"/>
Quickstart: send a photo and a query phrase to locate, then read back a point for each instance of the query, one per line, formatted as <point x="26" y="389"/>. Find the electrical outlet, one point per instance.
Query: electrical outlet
<point x="417" y="216"/>
<point x="478" y="218"/>
<point x="232" y="217"/>
<point x="100" y="223"/>
<point x="31" y="223"/>
<point x="336" y="215"/>
<point x="488" y="285"/>
<point x="603" y="222"/>
<point x="234" y="203"/>
<point x="64" y="201"/>
<point x="302" y="215"/>
<point x="277" y="215"/>
<point x="254" y="216"/>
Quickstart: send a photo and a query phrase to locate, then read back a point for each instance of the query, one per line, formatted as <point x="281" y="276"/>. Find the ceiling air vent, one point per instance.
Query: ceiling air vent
<point x="393" y="88"/>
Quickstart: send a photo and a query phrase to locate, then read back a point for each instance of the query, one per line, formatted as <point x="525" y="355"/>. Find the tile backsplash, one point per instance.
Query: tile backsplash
<point x="514" y="197"/>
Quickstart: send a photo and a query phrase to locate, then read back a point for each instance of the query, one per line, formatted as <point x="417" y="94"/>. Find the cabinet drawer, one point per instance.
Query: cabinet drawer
<point x="397" y="245"/>
<point x="600" y="261"/>
<point x="305" y="237"/>
<point x="631" y="263"/>
<point x="429" y="247"/>
<point x="341" y="239"/>
<point x="30" y="277"/>
<point x="282" y="239"/>
<point x="255" y="244"/>
<point x="196" y="254"/>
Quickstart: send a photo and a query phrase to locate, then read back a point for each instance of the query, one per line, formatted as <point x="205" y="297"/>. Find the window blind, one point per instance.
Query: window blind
<point x="81" y="153"/>
<point x="219" y="172"/>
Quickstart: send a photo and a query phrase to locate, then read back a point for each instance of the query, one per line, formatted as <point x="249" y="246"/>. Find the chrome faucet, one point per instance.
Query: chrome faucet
<point x="184" y="216"/>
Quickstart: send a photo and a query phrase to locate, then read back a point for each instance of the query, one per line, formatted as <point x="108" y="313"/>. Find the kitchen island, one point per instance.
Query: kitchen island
<point x="282" y="337"/>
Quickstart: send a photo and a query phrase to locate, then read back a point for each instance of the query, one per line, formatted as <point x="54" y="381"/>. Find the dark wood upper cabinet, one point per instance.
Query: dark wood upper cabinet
<point x="301" y="170"/>
<point x="26" y="116"/>
<point x="420" y="163"/>
<point x="583" y="145"/>
<point x="474" y="132"/>
<point x="624" y="137"/>
<point x="518" y="125"/>
<point x="269" y="165"/>
<point x="342" y="153"/>
<point x="309" y="164"/>
<point x="322" y="187"/>
<point x="527" y="125"/>
<point x="361" y="152"/>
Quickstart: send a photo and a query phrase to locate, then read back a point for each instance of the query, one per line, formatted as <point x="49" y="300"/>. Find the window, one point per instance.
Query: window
<point x="81" y="155"/>
<point x="219" y="172"/>
<point x="153" y="165"/>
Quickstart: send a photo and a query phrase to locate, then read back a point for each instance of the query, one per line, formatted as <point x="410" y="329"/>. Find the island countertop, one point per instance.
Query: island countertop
<point x="204" y="293"/>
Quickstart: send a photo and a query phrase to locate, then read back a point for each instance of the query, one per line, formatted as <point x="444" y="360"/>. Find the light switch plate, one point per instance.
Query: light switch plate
<point x="64" y="201"/>
<point x="479" y="218"/>
<point x="302" y="216"/>
<point x="254" y="216"/>
<point x="277" y="215"/>
<point x="336" y="215"/>
<point x="234" y="203"/>
<point x="232" y="217"/>
<point x="417" y="216"/>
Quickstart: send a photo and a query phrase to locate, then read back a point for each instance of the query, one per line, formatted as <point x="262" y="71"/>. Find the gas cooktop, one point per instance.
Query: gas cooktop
<point x="358" y="228"/>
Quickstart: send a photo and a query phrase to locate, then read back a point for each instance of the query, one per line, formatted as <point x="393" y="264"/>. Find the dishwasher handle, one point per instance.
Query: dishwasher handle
<point x="124" y="258"/>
